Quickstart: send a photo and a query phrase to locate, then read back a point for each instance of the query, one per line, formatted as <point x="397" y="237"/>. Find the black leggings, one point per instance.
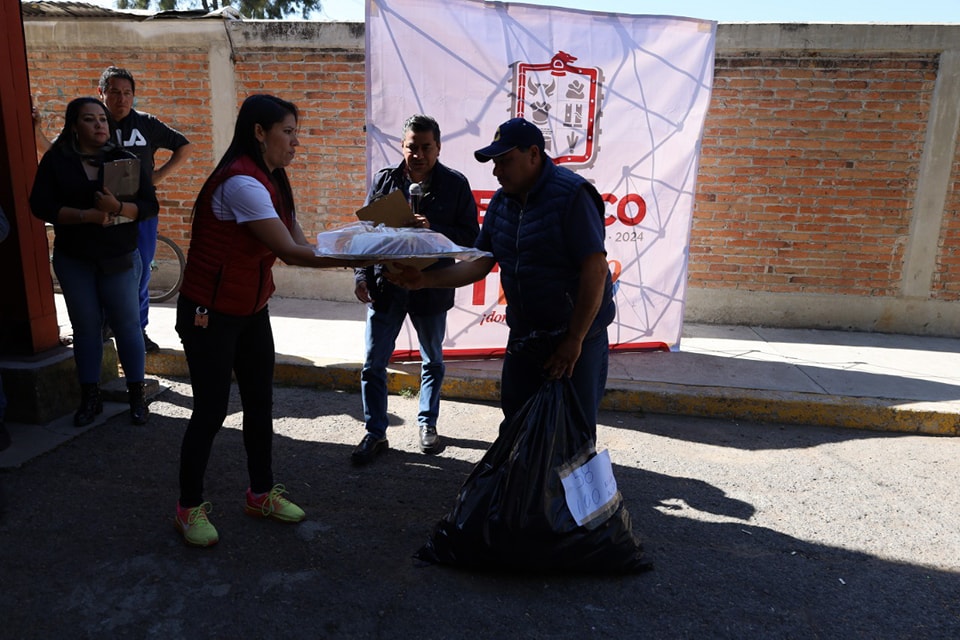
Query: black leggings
<point x="238" y="345"/>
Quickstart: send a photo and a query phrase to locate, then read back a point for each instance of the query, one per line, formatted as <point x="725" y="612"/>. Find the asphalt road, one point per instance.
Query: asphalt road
<point x="755" y="531"/>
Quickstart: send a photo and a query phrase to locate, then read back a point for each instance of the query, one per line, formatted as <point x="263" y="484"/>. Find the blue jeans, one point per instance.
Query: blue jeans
<point x="382" y="330"/>
<point x="523" y="375"/>
<point x="147" y="245"/>
<point x="89" y="294"/>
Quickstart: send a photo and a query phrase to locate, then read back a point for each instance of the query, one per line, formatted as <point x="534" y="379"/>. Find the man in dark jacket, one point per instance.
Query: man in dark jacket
<point x="544" y="227"/>
<point x="441" y="200"/>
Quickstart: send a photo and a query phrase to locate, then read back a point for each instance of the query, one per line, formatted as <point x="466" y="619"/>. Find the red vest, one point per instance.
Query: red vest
<point x="228" y="269"/>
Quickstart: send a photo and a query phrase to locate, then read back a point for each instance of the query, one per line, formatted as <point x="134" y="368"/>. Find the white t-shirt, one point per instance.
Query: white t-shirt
<point x="242" y="199"/>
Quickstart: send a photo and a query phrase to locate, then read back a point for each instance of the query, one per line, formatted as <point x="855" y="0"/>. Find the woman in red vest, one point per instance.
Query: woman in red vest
<point x="243" y="220"/>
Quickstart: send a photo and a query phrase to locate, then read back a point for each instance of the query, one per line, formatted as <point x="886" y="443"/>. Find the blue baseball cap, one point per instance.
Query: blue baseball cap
<point x="512" y="134"/>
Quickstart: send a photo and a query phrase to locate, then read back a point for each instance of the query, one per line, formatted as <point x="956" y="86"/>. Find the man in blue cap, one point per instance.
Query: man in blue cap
<point x="545" y="228"/>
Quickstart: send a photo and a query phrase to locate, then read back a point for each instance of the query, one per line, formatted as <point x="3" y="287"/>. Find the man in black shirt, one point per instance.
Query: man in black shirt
<point x="142" y="134"/>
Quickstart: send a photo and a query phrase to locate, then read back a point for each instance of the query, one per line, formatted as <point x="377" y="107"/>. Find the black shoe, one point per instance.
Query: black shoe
<point x="4" y="436"/>
<point x="368" y="449"/>
<point x="429" y="440"/>
<point x="149" y="346"/>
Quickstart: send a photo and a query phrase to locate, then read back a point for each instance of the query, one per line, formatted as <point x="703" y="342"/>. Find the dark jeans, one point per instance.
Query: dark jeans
<point x="523" y="375"/>
<point x="238" y="345"/>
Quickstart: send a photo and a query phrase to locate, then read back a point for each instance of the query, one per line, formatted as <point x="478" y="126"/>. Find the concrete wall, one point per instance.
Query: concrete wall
<point x="829" y="187"/>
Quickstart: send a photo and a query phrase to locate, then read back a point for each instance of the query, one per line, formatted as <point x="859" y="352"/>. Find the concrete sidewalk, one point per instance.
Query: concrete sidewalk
<point x="881" y="382"/>
<point x="830" y="378"/>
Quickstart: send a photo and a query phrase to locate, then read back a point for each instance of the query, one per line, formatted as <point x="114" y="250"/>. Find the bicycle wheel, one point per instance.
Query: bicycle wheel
<point x="166" y="270"/>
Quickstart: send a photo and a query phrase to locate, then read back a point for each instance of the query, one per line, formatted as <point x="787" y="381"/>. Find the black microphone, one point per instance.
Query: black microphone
<point x="416" y="193"/>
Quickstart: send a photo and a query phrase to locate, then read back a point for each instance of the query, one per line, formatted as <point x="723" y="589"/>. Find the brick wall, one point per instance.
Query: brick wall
<point x="946" y="283"/>
<point x="328" y="177"/>
<point x="808" y="172"/>
<point x="813" y="159"/>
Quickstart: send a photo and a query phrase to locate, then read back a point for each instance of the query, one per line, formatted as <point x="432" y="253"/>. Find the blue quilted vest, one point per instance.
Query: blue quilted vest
<point x="538" y="271"/>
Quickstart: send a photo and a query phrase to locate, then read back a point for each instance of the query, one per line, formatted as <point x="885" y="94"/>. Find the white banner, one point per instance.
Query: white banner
<point x="621" y="100"/>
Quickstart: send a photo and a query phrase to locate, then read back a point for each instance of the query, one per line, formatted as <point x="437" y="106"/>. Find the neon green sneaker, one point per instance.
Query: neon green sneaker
<point x="196" y="528"/>
<point x="273" y="505"/>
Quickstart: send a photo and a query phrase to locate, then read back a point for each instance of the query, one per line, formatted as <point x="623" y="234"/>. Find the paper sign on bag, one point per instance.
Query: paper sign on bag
<point x="591" y="489"/>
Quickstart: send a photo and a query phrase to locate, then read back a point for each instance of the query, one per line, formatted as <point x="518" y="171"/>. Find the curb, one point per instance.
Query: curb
<point x="755" y="405"/>
<point x="751" y="405"/>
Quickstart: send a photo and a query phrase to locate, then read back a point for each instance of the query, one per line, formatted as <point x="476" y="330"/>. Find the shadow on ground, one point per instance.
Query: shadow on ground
<point x="90" y="549"/>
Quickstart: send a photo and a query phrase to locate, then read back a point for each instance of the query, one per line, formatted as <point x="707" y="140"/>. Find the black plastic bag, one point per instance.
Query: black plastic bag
<point x="511" y="512"/>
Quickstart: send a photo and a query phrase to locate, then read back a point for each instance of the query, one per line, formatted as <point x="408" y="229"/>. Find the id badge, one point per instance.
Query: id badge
<point x="201" y="318"/>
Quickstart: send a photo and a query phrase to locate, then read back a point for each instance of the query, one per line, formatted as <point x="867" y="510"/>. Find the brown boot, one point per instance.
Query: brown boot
<point x="139" y="412"/>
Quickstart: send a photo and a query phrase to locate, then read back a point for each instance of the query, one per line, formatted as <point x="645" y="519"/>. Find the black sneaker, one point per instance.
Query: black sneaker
<point x="149" y="345"/>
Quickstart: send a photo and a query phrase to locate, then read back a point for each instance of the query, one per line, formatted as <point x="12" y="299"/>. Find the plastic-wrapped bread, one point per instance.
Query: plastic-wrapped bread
<point x="364" y="240"/>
